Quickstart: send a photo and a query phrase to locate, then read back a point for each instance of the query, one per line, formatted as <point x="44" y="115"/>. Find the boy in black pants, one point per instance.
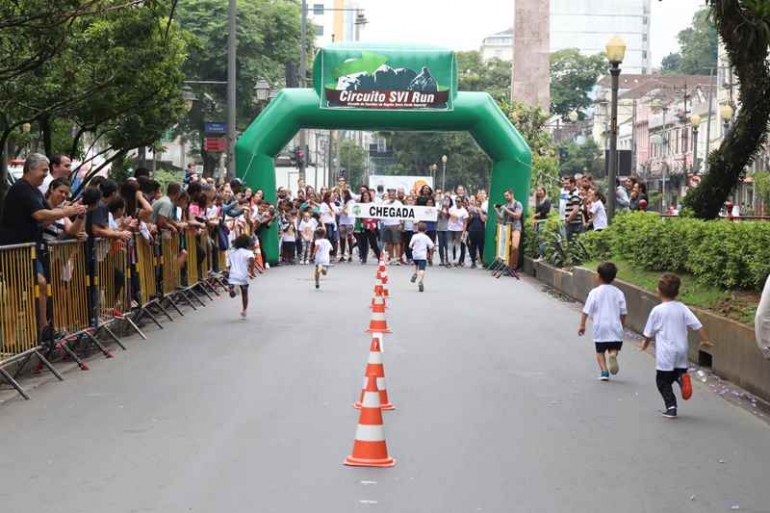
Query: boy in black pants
<point x="668" y="324"/>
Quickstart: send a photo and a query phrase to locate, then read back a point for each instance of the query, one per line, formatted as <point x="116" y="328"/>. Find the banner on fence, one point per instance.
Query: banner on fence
<point x="402" y="213"/>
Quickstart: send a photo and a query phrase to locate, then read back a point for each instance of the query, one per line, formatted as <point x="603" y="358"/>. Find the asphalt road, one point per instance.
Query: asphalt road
<point x="498" y="410"/>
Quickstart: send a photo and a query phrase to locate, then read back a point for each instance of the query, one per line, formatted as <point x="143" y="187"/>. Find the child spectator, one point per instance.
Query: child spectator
<point x="606" y="306"/>
<point x="667" y="324"/>
<point x="240" y="262"/>
<point x="288" y="237"/>
<point x="323" y="249"/>
<point x="420" y="245"/>
<point x="307" y="227"/>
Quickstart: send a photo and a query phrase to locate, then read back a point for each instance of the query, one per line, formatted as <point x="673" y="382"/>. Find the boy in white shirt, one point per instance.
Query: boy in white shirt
<point x="668" y="324"/>
<point x="606" y="306"/>
<point x="420" y="245"/>
<point x="322" y="259"/>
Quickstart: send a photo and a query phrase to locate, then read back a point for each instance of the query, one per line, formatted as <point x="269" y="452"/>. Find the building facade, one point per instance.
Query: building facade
<point x="588" y="25"/>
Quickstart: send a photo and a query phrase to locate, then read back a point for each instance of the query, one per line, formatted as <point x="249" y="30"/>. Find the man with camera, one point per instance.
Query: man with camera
<point x="512" y="212"/>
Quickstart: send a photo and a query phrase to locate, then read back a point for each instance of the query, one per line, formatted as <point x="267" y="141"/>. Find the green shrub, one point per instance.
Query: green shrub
<point x="598" y="244"/>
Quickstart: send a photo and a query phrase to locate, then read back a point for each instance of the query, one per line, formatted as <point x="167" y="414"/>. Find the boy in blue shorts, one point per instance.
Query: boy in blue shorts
<point x="606" y="306"/>
<point x="420" y="245"/>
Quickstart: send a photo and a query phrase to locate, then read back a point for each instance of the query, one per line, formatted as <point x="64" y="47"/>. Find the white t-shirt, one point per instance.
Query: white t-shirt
<point x="328" y="213"/>
<point x="599" y="215"/>
<point x="762" y="321"/>
<point x="457" y="217"/>
<point x="306" y="228"/>
<point x="238" y="261"/>
<point x="563" y="196"/>
<point x="667" y="324"/>
<point x="392" y="222"/>
<point x="605" y="304"/>
<point x="420" y="245"/>
<point x="290" y="234"/>
<point x="346" y="218"/>
<point x="323" y="249"/>
<point x="46" y="182"/>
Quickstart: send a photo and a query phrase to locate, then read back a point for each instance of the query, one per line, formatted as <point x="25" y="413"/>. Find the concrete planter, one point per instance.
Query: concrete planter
<point x="734" y="356"/>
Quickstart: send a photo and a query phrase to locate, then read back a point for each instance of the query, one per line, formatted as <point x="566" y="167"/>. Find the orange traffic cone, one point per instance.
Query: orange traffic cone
<point x="382" y="273"/>
<point x="385" y="291"/>
<point x="378" y="298"/>
<point x="370" y="448"/>
<point x="378" y="324"/>
<point x="375" y="367"/>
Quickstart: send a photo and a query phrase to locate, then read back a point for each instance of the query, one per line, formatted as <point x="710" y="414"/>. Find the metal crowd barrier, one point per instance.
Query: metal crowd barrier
<point x="91" y="284"/>
<point x="73" y="293"/>
<point x="19" y="293"/>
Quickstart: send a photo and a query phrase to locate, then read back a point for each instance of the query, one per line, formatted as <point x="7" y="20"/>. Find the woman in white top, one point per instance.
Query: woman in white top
<point x="598" y="213"/>
<point x="347" y="222"/>
<point x="328" y="215"/>
<point x="455" y="228"/>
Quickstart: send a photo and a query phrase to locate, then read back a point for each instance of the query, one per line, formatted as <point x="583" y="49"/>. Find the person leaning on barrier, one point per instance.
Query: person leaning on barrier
<point x="25" y="212"/>
<point x="58" y="192"/>
<point x="98" y="219"/>
<point x="164" y="209"/>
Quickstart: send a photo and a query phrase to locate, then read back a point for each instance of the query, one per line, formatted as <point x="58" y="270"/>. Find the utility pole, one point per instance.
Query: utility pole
<point x="302" y="76"/>
<point x="232" y="43"/>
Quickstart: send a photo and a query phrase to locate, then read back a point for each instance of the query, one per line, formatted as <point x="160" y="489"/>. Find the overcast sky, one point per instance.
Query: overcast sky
<point x="462" y="25"/>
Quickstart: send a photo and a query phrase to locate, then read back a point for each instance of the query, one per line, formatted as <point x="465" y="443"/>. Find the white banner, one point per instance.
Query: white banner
<point x="403" y="212"/>
<point x="409" y="184"/>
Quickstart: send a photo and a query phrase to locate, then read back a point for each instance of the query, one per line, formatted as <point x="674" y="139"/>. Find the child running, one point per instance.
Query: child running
<point x="667" y="324"/>
<point x="606" y="306"/>
<point x="323" y="249"/>
<point x="420" y="245"/>
<point x="240" y="262"/>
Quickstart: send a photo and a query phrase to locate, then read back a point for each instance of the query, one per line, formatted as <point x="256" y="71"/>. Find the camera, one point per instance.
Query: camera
<point x="498" y="205"/>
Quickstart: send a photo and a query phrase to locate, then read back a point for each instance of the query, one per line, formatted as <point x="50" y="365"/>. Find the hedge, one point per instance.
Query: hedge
<point x="723" y="253"/>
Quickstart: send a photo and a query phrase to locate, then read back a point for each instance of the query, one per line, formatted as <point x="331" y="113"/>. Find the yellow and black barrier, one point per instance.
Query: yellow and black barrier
<point x="20" y="299"/>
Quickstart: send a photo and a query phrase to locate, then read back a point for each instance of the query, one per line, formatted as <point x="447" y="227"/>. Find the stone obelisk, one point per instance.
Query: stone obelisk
<point x="531" y="51"/>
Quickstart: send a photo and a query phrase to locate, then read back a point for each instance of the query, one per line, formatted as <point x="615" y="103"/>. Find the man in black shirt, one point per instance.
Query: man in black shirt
<point x="26" y="213"/>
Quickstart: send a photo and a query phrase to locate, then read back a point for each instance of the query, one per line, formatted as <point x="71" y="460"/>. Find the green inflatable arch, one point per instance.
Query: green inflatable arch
<point x="294" y="109"/>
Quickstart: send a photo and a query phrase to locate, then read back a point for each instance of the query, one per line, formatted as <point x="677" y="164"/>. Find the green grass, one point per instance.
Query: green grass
<point x="737" y="305"/>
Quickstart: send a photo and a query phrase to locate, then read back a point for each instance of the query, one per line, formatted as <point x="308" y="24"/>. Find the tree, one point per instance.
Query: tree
<point x="573" y="76"/>
<point x="698" y="47"/>
<point x="467" y="164"/>
<point x="114" y="78"/>
<point x="580" y="158"/>
<point x="493" y="76"/>
<point x="744" y="26"/>
<point x="268" y="38"/>
<point x="353" y="160"/>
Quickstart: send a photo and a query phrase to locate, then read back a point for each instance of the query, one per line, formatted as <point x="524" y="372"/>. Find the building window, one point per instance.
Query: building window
<point x="318" y="9"/>
<point x="319" y="30"/>
<point x="644" y="54"/>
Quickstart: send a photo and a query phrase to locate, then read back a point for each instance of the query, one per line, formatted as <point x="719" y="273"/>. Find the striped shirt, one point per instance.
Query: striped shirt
<point x="573" y="200"/>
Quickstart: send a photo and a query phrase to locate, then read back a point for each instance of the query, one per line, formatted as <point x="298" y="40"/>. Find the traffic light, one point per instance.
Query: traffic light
<point x="299" y="157"/>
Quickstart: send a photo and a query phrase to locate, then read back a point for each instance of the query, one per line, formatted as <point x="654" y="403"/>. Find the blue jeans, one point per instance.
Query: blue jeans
<point x="443" y="246"/>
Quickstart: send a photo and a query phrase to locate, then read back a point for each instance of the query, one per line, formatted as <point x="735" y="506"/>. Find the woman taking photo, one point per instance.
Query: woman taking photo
<point x="369" y="232"/>
<point x="475" y="229"/>
<point x="442" y="227"/>
<point x="328" y="214"/>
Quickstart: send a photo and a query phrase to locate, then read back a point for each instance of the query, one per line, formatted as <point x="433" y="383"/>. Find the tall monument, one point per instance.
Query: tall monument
<point x="530" y="80"/>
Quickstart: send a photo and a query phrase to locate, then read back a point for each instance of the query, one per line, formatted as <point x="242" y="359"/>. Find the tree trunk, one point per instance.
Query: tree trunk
<point x="747" y="47"/>
<point x="45" y="129"/>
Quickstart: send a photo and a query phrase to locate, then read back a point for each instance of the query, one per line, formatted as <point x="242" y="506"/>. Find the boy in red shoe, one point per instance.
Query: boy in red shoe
<point x="668" y="324"/>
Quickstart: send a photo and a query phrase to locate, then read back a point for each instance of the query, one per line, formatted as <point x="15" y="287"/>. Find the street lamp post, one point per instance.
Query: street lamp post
<point x="616" y="51"/>
<point x="433" y="168"/>
<point x="443" y="173"/>
<point x="695" y="121"/>
<point x="232" y="43"/>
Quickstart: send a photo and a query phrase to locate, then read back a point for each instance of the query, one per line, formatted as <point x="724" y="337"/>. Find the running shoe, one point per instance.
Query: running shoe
<point x="670" y="413"/>
<point x="414" y="278"/>
<point x="243" y="314"/>
<point x="686" y="383"/>
<point x="422" y="287"/>
<point x="614" y="368"/>
<point x="604" y="376"/>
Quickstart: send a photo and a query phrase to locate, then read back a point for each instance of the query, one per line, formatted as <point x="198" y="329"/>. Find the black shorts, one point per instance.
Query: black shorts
<point x="603" y="347"/>
<point x="420" y="264"/>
